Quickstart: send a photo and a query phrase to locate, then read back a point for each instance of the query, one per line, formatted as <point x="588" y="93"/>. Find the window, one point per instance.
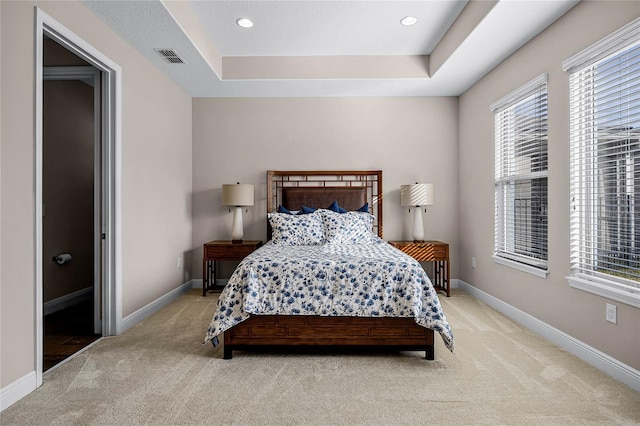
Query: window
<point x="605" y="166"/>
<point x="521" y="177"/>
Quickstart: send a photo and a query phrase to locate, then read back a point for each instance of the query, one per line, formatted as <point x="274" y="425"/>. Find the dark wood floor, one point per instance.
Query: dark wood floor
<point x="66" y="332"/>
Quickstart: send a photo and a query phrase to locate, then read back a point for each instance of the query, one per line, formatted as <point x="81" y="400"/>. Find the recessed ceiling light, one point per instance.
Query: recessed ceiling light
<point x="245" y="22"/>
<point x="408" y="20"/>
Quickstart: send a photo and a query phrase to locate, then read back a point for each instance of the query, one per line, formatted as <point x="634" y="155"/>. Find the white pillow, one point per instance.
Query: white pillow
<point x="348" y="228"/>
<point x="296" y="230"/>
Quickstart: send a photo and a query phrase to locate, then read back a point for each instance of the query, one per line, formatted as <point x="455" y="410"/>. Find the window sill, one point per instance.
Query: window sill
<point x="521" y="267"/>
<point x="605" y="288"/>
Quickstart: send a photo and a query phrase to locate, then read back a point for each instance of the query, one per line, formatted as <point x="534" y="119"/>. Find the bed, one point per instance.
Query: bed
<point x="326" y="279"/>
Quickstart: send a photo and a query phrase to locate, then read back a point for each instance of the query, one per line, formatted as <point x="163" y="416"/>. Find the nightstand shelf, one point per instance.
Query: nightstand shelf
<point x="222" y="250"/>
<point x="430" y="251"/>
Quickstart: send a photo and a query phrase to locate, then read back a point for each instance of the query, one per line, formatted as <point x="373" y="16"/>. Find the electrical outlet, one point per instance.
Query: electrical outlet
<point x="473" y="262"/>
<point x="612" y="313"/>
<point x="179" y="262"/>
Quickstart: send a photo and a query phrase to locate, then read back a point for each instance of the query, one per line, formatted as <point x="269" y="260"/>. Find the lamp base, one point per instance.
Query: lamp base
<point x="236" y="241"/>
<point x="418" y="227"/>
<point x="236" y="226"/>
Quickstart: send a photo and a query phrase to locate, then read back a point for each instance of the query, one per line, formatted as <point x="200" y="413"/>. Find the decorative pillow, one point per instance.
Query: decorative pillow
<point x="283" y="209"/>
<point x="306" y="210"/>
<point x="334" y="207"/>
<point x="296" y="230"/>
<point x="348" y="228"/>
<point x="364" y="208"/>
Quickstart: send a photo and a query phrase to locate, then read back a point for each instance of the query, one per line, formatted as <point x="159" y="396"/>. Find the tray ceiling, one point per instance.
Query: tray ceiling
<point x="327" y="48"/>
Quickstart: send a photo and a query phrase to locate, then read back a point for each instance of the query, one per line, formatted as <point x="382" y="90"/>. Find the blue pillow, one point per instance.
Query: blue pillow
<point x="364" y="208"/>
<point x="306" y="210"/>
<point x="283" y="209"/>
<point x="334" y="207"/>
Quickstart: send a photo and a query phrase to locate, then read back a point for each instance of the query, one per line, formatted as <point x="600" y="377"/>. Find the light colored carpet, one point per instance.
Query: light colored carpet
<point x="159" y="373"/>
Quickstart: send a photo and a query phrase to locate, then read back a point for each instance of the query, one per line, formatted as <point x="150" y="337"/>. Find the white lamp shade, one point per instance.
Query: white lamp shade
<point x="237" y="194"/>
<point x="417" y="194"/>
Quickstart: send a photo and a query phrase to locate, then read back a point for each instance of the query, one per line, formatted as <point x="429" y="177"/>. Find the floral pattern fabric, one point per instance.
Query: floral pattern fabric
<point x="368" y="280"/>
<point x="296" y="230"/>
<point x="347" y="228"/>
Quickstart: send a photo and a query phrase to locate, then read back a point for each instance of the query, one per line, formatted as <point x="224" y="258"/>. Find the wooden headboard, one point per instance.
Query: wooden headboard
<point x="318" y="189"/>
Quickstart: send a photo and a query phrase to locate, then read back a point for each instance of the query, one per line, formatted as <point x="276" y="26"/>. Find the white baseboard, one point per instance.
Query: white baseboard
<point x="603" y="362"/>
<point x="17" y="390"/>
<point x="67" y="300"/>
<point x="153" y="307"/>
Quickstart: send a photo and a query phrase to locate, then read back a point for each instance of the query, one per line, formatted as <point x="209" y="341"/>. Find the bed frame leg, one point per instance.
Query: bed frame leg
<point x="228" y="353"/>
<point x="429" y="353"/>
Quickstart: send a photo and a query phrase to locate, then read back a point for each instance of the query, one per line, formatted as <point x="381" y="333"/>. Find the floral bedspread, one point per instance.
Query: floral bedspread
<point x="368" y="280"/>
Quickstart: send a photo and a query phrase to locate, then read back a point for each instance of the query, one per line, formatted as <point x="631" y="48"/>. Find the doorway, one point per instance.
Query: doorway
<point x="72" y="210"/>
<point x="106" y="271"/>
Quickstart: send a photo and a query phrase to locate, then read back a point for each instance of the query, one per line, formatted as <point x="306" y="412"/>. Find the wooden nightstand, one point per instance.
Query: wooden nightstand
<point x="215" y="251"/>
<point x="430" y="251"/>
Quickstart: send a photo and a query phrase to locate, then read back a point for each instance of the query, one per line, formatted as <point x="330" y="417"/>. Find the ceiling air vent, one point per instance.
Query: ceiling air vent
<point x="170" y="56"/>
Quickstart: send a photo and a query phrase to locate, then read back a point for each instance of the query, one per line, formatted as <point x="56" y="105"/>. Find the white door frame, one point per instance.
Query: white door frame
<point x="90" y="76"/>
<point x="111" y="135"/>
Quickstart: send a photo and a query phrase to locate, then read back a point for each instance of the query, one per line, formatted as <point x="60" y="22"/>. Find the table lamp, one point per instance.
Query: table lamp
<point x="237" y="195"/>
<point x="417" y="195"/>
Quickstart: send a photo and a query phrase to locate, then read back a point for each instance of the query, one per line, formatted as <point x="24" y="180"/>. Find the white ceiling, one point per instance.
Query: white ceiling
<point x="328" y="48"/>
<point x="317" y="28"/>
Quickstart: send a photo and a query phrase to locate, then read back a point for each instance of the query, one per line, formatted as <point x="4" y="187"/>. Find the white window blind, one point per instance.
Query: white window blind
<point x="521" y="174"/>
<point x="605" y="164"/>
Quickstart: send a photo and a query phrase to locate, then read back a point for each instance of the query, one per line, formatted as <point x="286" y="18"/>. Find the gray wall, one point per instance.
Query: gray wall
<point x="67" y="192"/>
<point x="68" y="173"/>
<point x="156" y="175"/>
<point x="239" y="139"/>
<point x="577" y="313"/>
